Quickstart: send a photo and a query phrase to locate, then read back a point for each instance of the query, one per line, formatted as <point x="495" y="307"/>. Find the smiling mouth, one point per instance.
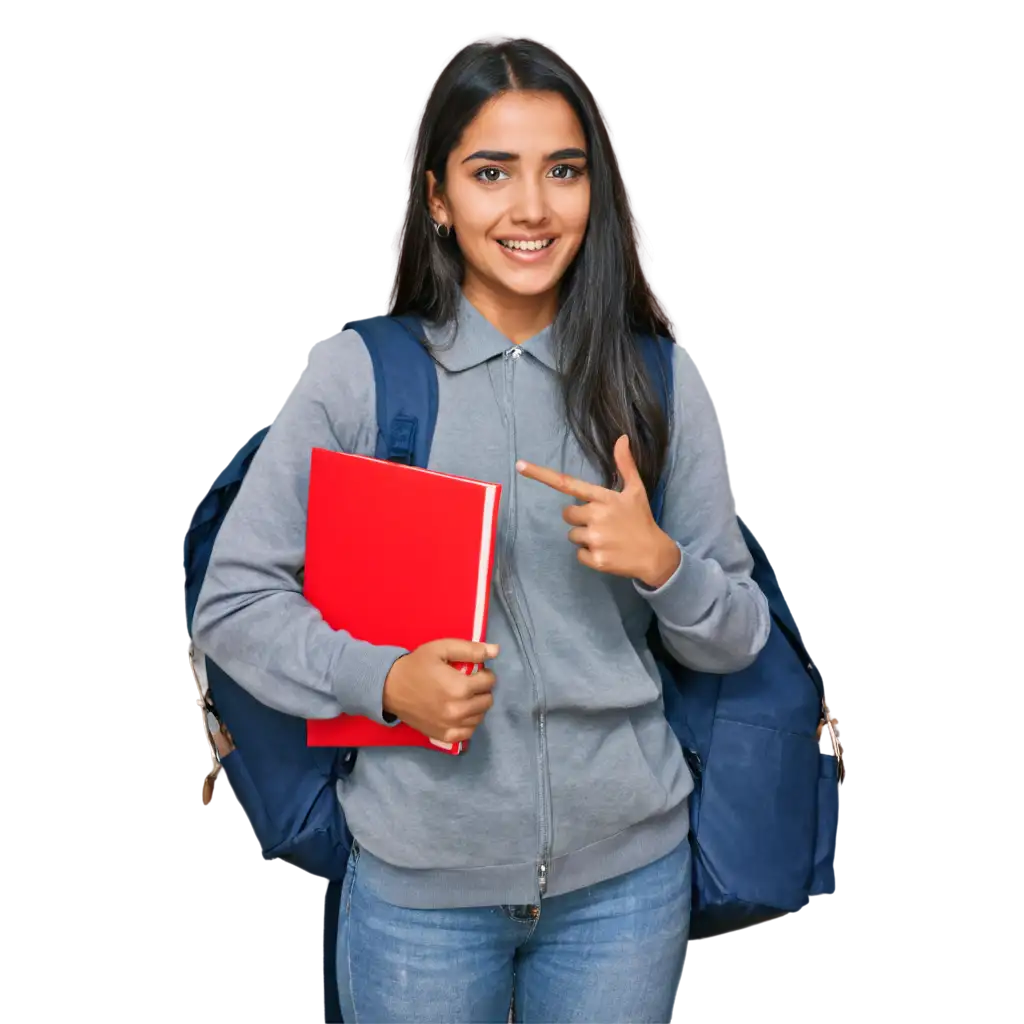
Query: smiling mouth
<point x="532" y="246"/>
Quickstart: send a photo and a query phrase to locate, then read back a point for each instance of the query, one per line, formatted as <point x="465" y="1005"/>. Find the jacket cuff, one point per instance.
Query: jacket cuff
<point x="683" y="598"/>
<point x="359" y="686"/>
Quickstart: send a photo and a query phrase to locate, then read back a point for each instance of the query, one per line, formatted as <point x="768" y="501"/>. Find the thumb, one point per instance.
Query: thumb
<point x="625" y="465"/>
<point x="467" y="651"/>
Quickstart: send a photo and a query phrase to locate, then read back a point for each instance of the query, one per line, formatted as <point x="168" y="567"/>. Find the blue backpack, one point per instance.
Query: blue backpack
<point x="764" y="808"/>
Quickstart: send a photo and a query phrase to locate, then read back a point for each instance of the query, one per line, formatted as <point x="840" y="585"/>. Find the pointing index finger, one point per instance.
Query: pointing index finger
<point x="561" y="482"/>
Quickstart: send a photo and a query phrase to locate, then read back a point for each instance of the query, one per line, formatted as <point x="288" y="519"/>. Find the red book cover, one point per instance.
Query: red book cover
<point x="396" y="555"/>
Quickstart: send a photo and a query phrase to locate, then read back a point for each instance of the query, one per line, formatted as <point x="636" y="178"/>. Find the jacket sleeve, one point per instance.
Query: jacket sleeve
<point x="711" y="615"/>
<point x="251" y="616"/>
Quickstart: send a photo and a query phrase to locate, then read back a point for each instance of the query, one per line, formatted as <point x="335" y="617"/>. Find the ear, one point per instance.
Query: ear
<point x="436" y="202"/>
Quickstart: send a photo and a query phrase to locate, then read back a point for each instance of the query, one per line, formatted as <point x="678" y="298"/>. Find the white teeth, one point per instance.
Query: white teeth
<point x="528" y="246"/>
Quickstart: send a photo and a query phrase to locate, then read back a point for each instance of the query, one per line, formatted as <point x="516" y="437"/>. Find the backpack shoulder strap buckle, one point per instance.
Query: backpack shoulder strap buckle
<point x="406" y="381"/>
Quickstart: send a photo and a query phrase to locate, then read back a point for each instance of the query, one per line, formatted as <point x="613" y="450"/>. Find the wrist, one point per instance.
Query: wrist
<point x="664" y="561"/>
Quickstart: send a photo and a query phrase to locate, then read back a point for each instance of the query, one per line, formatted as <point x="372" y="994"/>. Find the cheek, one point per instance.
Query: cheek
<point x="574" y="215"/>
<point x="574" y="210"/>
<point x="475" y="212"/>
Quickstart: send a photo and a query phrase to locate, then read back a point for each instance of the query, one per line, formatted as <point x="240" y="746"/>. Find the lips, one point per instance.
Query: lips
<point x="510" y="247"/>
<point x="526" y="245"/>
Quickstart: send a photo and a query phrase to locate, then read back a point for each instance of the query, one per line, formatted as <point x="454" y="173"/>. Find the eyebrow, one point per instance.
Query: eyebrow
<point x="572" y="153"/>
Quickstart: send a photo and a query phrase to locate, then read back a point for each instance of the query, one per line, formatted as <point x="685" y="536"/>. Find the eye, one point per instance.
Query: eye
<point x="566" y="172"/>
<point x="489" y="174"/>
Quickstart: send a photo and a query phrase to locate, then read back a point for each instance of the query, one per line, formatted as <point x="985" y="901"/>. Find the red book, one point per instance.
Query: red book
<point x="396" y="555"/>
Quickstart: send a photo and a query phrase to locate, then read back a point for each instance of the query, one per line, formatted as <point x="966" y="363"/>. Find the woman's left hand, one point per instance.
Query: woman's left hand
<point x="615" y="531"/>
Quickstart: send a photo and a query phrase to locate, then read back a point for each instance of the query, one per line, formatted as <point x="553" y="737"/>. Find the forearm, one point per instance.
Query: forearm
<point x="277" y="646"/>
<point x="709" y="620"/>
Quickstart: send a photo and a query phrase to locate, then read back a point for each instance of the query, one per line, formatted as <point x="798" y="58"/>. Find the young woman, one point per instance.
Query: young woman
<point x="552" y="858"/>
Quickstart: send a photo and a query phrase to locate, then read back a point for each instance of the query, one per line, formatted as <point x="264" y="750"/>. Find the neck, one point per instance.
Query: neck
<point x="518" y="317"/>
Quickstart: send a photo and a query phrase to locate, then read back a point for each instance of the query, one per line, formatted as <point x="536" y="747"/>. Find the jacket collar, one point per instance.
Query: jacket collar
<point x="473" y="339"/>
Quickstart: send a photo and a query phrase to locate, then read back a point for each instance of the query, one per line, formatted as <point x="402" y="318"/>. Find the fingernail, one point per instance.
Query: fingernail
<point x="520" y="466"/>
<point x="492" y="650"/>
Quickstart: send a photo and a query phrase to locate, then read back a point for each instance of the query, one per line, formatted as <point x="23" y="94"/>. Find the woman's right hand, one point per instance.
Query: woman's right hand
<point x="425" y="691"/>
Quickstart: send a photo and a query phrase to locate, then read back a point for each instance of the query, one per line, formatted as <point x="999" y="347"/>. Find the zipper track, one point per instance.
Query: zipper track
<point x="507" y="584"/>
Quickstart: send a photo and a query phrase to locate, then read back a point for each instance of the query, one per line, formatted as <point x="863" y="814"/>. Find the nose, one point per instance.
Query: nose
<point x="530" y="203"/>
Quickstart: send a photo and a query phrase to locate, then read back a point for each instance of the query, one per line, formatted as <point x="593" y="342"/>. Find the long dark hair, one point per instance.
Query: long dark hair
<point x="604" y="299"/>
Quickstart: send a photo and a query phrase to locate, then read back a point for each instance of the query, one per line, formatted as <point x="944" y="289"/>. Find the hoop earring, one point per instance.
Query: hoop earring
<point x="442" y="234"/>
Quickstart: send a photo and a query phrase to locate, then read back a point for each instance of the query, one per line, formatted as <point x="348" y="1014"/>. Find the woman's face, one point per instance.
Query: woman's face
<point x="516" y="195"/>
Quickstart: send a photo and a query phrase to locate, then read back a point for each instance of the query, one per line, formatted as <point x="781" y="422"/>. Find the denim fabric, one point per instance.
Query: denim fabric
<point x="609" y="952"/>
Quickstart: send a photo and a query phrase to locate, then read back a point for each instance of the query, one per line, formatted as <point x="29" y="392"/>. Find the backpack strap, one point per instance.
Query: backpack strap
<point x="658" y="357"/>
<point x="405" y="378"/>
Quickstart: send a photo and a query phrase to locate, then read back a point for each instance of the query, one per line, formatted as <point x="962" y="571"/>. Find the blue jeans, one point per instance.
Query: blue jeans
<point x="611" y="952"/>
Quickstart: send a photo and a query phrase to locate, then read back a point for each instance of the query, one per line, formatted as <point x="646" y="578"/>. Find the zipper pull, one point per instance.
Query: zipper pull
<point x="542" y="879"/>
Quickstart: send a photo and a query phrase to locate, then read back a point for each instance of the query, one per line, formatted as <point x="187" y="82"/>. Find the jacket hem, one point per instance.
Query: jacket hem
<point x="517" y="884"/>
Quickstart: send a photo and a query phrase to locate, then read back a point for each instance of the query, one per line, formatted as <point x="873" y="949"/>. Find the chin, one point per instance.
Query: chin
<point x="528" y="282"/>
<point x="538" y="286"/>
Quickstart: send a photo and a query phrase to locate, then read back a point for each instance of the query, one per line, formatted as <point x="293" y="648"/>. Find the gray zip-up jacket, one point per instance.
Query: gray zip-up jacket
<point x="574" y="776"/>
